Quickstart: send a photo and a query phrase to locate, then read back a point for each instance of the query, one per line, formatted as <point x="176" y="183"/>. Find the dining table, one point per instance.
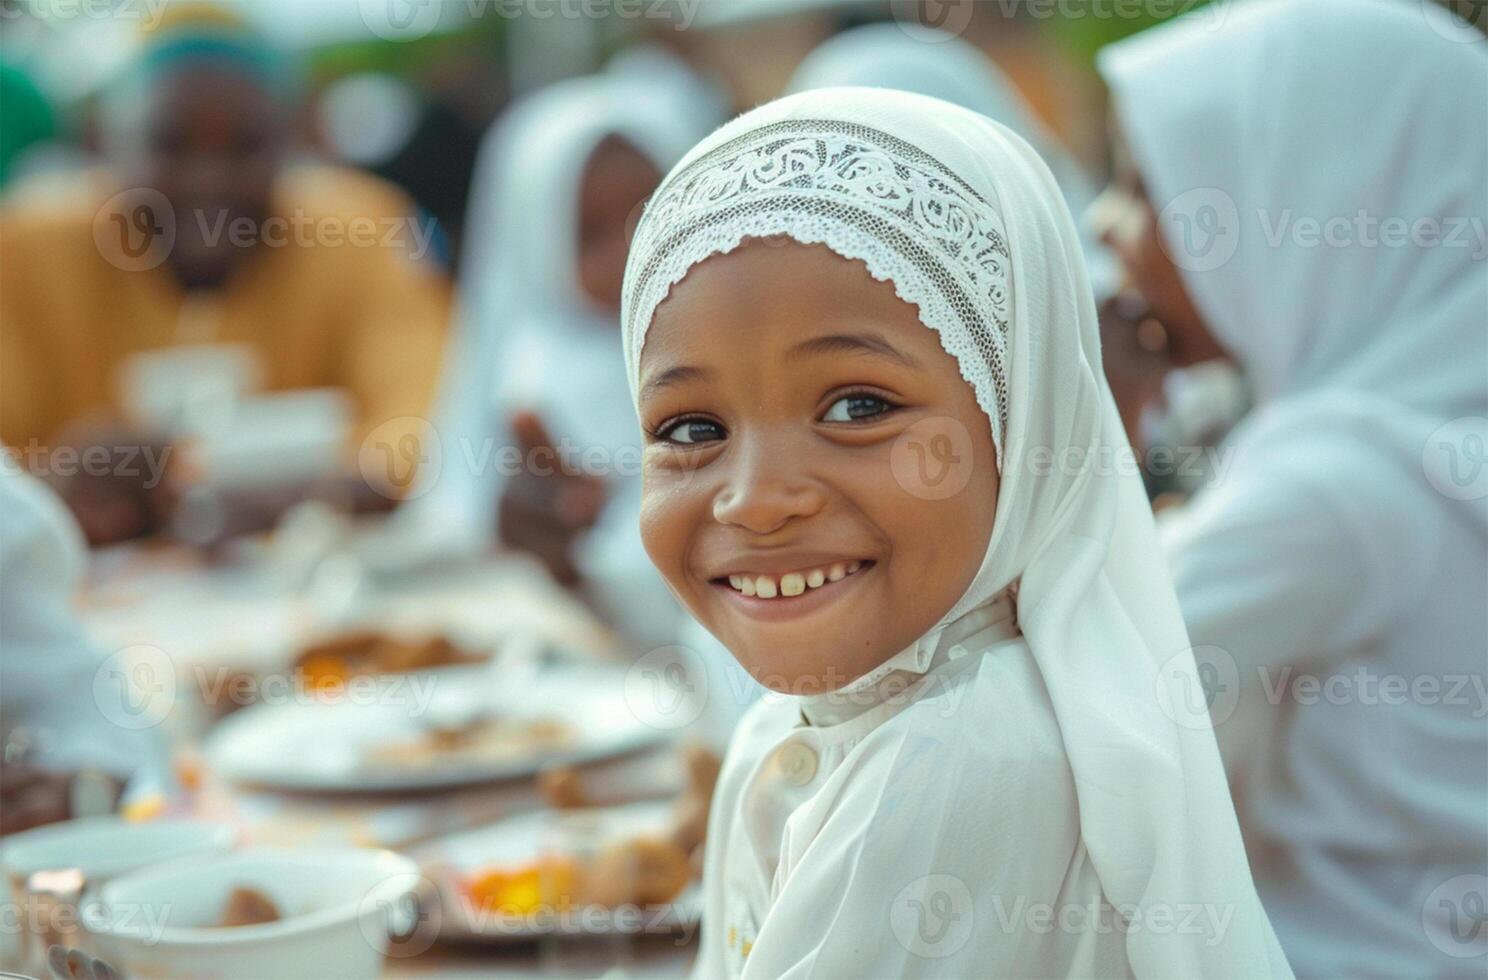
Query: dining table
<point x="247" y="612"/>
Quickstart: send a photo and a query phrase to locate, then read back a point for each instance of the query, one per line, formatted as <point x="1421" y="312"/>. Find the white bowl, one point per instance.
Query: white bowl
<point x="103" y="847"/>
<point x="338" y="905"/>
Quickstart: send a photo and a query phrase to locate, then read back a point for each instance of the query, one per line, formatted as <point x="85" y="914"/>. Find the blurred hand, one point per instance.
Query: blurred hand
<point x="31" y="797"/>
<point x="548" y="504"/>
<point x="1133" y="354"/>
<point x="116" y="482"/>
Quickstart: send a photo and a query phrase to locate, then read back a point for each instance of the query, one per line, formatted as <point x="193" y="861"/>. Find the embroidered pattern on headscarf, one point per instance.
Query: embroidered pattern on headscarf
<point x="866" y="195"/>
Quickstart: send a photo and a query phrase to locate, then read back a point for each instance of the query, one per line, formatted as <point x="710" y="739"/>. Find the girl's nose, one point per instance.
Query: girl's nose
<point x="765" y="491"/>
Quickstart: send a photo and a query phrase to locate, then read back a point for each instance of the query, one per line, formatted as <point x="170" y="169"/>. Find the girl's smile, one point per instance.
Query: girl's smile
<point x="795" y="593"/>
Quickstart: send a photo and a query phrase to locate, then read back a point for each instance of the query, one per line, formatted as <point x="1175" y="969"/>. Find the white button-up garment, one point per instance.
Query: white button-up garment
<point x="908" y="837"/>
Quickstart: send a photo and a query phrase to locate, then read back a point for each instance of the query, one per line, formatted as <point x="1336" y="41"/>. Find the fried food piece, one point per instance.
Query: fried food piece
<point x="641" y="871"/>
<point x="249" y="907"/>
<point x="563" y="788"/>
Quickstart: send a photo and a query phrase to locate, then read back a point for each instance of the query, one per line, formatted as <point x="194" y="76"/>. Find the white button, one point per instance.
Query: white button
<point x="797" y="764"/>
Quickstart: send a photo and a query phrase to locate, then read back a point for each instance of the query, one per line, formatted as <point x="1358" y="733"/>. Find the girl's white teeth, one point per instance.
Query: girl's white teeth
<point x="792" y="583"/>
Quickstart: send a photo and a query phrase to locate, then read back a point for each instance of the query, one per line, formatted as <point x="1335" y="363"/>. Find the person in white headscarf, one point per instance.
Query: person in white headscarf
<point x="67" y="729"/>
<point x="1322" y="225"/>
<point x="947" y="67"/>
<point x="538" y="449"/>
<point x="1017" y="787"/>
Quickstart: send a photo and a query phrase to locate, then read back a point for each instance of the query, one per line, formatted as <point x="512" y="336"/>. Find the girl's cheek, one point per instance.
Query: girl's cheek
<point x="671" y="515"/>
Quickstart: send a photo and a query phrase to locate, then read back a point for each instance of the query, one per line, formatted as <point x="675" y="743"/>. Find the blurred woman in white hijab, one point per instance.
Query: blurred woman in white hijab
<point x="947" y="67"/>
<point x="1304" y="192"/>
<point x="539" y="449"/>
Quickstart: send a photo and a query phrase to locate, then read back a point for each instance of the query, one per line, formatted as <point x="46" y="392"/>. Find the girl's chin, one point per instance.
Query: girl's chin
<point x="806" y="665"/>
<point x="801" y="676"/>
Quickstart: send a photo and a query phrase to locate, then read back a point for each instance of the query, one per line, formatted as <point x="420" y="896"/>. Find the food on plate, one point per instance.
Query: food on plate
<point x="642" y="870"/>
<point x="635" y="869"/>
<point x="483" y="740"/>
<point x="548" y="883"/>
<point x="249" y="907"/>
<point x="631" y="871"/>
<point x="333" y="660"/>
<point x="565" y="788"/>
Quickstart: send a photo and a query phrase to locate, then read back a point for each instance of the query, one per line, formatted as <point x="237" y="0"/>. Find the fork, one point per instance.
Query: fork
<point x="66" y="963"/>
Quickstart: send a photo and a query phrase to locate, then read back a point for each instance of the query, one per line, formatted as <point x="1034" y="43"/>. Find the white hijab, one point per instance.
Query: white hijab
<point x="1355" y="344"/>
<point x="968" y="223"/>
<point x="527" y="336"/>
<point x="1217" y="116"/>
<point x="949" y="68"/>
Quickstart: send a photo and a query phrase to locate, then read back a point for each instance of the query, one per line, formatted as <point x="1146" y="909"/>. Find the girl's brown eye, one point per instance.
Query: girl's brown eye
<point x="855" y="408"/>
<point x="688" y="432"/>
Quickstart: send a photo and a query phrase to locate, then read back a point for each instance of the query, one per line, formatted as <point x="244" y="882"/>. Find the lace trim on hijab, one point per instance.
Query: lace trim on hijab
<point x="867" y="196"/>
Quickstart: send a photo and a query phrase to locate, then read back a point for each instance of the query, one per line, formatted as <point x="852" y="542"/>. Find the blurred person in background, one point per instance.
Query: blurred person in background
<point x="202" y="231"/>
<point x="1342" y="547"/>
<point x="535" y="365"/>
<point x="945" y="67"/>
<point x="751" y="47"/>
<point x="64" y="752"/>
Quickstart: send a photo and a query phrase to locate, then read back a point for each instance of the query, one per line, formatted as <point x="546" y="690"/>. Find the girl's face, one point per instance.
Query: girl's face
<point x="1124" y="217"/>
<point x="820" y="483"/>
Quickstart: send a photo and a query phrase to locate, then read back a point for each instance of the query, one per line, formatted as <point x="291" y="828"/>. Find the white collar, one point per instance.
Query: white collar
<point x="997" y="616"/>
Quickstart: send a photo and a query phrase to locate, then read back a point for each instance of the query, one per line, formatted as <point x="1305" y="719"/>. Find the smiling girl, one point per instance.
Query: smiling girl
<point x="883" y="468"/>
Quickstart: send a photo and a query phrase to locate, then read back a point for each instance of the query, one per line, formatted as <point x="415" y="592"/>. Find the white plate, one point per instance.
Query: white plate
<point x="518" y="841"/>
<point x="302" y="745"/>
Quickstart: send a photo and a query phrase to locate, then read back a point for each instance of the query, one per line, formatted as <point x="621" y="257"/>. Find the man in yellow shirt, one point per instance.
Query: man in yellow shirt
<point x="203" y="232"/>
